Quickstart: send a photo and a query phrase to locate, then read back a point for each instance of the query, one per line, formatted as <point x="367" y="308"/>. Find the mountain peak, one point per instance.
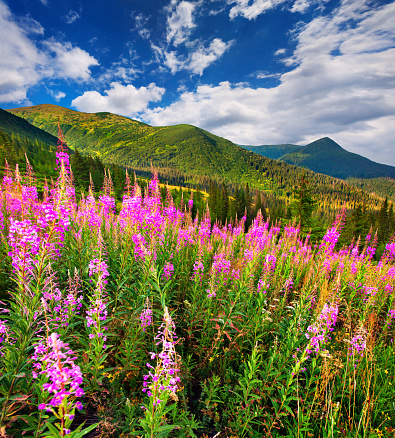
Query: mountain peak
<point x="323" y="143"/>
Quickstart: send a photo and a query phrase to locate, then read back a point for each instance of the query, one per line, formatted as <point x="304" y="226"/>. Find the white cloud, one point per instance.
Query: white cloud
<point x="253" y="10"/>
<point x="300" y="6"/>
<point x="24" y="63"/>
<point x="30" y="25"/>
<point x="197" y="60"/>
<point x="280" y="52"/>
<point x="140" y="26"/>
<point x="71" y="17"/>
<point x="120" y="99"/>
<point x="205" y="56"/>
<point x="180" y="22"/>
<point x="265" y="75"/>
<point x="71" y="62"/>
<point x="173" y="62"/>
<point x="20" y="60"/>
<point x="123" y="70"/>
<point x="195" y="55"/>
<point x="342" y="85"/>
<point x="57" y="95"/>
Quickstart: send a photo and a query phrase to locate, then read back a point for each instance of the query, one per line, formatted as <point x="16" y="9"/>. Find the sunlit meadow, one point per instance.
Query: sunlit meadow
<point x="135" y="320"/>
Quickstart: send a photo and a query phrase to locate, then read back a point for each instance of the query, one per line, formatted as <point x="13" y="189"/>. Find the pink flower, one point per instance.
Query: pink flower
<point x="55" y="360"/>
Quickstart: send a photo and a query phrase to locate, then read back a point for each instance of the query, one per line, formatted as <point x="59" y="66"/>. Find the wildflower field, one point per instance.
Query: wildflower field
<point x="144" y="322"/>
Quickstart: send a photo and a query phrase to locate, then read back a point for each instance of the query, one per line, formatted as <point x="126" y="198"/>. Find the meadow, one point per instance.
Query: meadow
<point x="144" y="322"/>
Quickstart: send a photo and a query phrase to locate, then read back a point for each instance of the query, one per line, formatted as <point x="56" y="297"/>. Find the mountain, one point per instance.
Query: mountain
<point x="326" y="156"/>
<point x="190" y="152"/>
<point x="117" y="139"/>
<point x="273" y="151"/>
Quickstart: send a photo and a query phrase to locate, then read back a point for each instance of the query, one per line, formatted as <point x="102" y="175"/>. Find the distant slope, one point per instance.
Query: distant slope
<point x="273" y="151"/>
<point x="192" y="151"/>
<point x="18" y="137"/>
<point x="11" y="125"/>
<point x="327" y="157"/>
<point x="383" y="187"/>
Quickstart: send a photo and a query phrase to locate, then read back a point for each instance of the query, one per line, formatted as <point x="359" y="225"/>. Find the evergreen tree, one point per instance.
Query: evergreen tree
<point x="80" y="168"/>
<point x="223" y="204"/>
<point x="305" y="204"/>
<point x="383" y="223"/>
<point x="213" y="201"/>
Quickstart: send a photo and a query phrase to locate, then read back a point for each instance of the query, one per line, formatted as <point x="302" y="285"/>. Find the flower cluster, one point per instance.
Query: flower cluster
<point x="211" y="294"/>
<point x="317" y="332"/>
<point x="3" y="332"/>
<point x="97" y="266"/>
<point x="163" y="378"/>
<point x="262" y="286"/>
<point x="55" y="361"/>
<point x="331" y="237"/>
<point x="168" y="270"/>
<point x="97" y="312"/>
<point x="25" y="243"/>
<point x="198" y="269"/>
<point x="146" y="315"/>
<point x="358" y="344"/>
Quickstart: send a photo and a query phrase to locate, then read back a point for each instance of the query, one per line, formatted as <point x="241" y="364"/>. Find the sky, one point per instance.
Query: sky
<point x="252" y="71"/>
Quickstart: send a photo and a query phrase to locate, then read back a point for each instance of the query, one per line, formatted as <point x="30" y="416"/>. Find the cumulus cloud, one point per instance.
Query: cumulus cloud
<point x="24" y="62"/>
<point x="120" y="99"/>
<point x="70" y="62"/>
<point x="342" y="84"/>
<point x="252" y="9"/>
<point x="20" y="60"/>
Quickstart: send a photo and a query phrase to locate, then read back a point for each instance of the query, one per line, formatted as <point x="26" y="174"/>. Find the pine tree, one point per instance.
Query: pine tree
<point x="305" y="204"/>
<point x="213" y="201"/>
<point x="223" y="204"/>
<point x="383" y="223"/>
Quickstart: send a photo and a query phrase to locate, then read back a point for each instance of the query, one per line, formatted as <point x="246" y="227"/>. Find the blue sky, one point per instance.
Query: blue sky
<point x="253" y="71"/>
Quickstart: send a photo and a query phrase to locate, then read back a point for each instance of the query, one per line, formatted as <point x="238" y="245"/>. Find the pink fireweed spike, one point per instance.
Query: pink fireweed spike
<point x="317" y="333"/>
<point x="168" y="270"/>
<point x="55" y="361"/>
<point x="146" y="315"/>
<point x="162" y="380"/>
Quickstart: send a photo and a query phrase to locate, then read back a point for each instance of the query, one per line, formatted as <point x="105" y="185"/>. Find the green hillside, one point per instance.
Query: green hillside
<point x="273" y="151"/>
<point x="19" y="139"/>
<point x="120" y="140"/>
<point x="13" y="125"/>
<point x="191" y="153"/>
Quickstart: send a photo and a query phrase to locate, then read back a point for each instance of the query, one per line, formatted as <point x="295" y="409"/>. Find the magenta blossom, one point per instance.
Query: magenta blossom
<point x="55" y="361"/>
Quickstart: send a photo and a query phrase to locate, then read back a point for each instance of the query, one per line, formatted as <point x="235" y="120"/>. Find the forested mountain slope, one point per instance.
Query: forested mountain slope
<point x="192" y="152"/>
